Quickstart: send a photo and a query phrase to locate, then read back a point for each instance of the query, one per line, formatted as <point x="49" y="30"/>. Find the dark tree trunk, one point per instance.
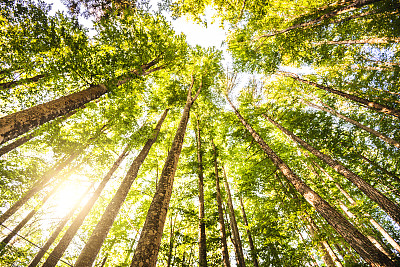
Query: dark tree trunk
<point x="99" y="234"/>
<point x="59" y="250"/>
<point x="384" y="40"/>
<point x="9" y="85"/>
<point x="202" y="225"/>
<point x="13" y="125"/>
<point x="150" y="238"/>
<point x="253" y="251"/>
<point x="357" y="240"/>
<point x="364" y="102"/>
<point x="19" y="142"/>
<point x="391" y="208"/>
<point x="235" y="230"/>
<point x="27" y="218"/>
<point x="36" y="260"/>
<point x="356" y="123"/>
<point x="225" y="252"/>
<point x="353" y="5"/>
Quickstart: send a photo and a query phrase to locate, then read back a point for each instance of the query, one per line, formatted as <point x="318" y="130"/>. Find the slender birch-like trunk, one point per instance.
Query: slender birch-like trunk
<point x="149" y="242"/>
<point x="59" y="250"/>
<point x="384" y="40"/>
<point x="388" y="206"/>
<point x="357" y="240"/>
<point x="330" y="110"/>
<point x="202" y="225"/>
<point x="224" y="245"/>
<point x="235" y="230"/>
<point x="253" y="251"/>
<point x="364" y="102"/>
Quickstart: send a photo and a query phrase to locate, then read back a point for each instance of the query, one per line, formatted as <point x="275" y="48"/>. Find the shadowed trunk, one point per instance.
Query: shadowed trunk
<point x="36" y="260"/>
<point x="9" y="85"/>
<point x="249" y="236"/>
<point x="19" y="142"/>
<point x="357" y="240"/>
<point x="224" y="246"/>
<point x="356" y="123"/>
<point x="391" y="208"/>
<point x="352" y="202"/>
<point x="59" y="250"/>
<point x="150" y="238"/>
<point x="99" y="234"/>
<point x="364" y="102"/>
<point x="202" y="225"/>
<point x="13" y="125"/>
<point x="235" y="230"/>
<point x="318" y="20"/>
<point x="27" y="218"/>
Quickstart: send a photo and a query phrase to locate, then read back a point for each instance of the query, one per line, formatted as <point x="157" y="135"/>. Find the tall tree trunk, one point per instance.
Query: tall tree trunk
<point x="149" y="242"/>
<point x="253" y="251"/>
<point x="9" y="85"/>
<point x="20" y="141"/>
<point x="36" y="260"/>
<point x="224" y="246"/>
<point x="384" y="40"/>
<point x="93" y="245"/>
<point x="352" y="202"/>
<point x="47" y="176"/>
<point x="171" y="241"/>
<point x="356" y="123"/>
<point x="235" y="230"/>
<point x="356" y="239"/>
<point x="202" y="225"/>
<point x="316" y="21"/>
<point x="27" y="218"/>
<point x="391" y="208"/>
<point x="59" y="250"/>
<point x="364" y="102"/>
<point x="18" y="123"/>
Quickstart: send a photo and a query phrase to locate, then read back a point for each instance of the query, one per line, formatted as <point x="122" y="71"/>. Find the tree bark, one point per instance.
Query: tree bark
<point x="356" y="239"/>
<point x="19" y="142"/>
<point x="27" y="218"/>
<point x="253" y="251"/>
<point x="13" y="125"/>
<point x="356" y="123"/>
<point x="235" y="230"/>
<point x="202" y="225"/>
<point x="149" y="242"/>
<point x="391" y="208"/>
<point x="99" y="234"/>
<point x="352" y="202"/>
<point x="9" y="85"/>
<point x="36" y="260"/>
<point x="364" y="102"/>
<point x="314" y="22"/>
<point x="224" y="246"/>
<point x="384" y="40"/>
<point x="59" y="250"/>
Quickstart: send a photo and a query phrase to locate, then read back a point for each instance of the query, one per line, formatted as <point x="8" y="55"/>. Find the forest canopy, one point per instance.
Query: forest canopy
<point x="124" y="145"/>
